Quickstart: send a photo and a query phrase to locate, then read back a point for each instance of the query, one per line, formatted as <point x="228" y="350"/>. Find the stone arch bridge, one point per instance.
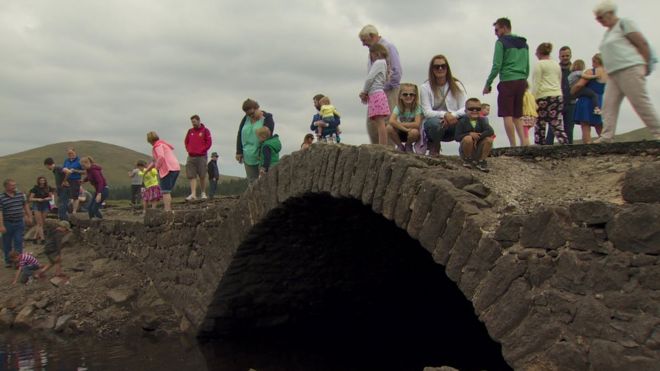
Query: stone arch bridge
<point x="574" y="285"/>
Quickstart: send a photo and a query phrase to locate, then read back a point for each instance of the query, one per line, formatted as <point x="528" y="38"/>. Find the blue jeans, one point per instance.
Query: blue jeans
<point x="27" y="272"/>
<point x="62" y="203"/>
<point x="13" y="237"/>
<point x="437" y="132"/>
<point x="213" y="184"/>
<point x="95" y="207"/>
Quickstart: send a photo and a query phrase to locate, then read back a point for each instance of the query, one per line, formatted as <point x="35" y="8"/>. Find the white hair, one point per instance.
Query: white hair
<point x="368" y="30"/>
<point x="605" y="6"/>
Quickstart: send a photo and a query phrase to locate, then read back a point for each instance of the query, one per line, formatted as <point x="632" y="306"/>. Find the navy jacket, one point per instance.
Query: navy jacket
<point x="464" y="127"/>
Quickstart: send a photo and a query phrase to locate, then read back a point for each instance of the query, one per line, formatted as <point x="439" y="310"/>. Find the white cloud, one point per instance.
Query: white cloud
<point x="112" y="71"/>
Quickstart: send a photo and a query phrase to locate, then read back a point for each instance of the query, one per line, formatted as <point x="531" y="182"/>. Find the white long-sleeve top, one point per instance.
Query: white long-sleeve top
<point x="376" y="78"/>
<point x="455" y="104"/>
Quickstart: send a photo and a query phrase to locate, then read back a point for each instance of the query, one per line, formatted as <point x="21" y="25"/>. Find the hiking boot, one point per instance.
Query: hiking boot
<point x="483" y="166"/>
<point x="191" y="197"/>
<point x="203" y="196"/>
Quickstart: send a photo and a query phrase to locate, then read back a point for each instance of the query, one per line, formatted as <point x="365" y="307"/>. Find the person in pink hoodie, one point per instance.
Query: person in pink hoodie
<point x="94" y="175"/>
<point x="166" y="163"/>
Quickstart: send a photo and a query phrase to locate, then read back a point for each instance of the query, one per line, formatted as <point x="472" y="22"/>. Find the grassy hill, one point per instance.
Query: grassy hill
<point x="116" y="161"/>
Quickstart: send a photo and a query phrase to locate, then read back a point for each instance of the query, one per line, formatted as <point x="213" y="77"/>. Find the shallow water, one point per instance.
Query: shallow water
<point x="31" y="351"/>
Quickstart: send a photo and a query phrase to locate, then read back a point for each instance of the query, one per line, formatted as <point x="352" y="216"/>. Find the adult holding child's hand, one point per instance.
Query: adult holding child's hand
<point x="247" y="143"/>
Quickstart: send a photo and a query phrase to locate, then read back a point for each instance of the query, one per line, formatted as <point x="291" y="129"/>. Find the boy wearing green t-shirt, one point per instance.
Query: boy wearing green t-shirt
<point x="269" y="149"/>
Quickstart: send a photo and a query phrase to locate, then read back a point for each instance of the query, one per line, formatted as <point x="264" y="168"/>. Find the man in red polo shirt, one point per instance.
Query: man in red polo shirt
<point x="198" y="142"/>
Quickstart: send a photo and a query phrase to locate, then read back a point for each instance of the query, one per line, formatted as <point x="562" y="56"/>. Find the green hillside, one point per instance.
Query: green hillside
<point x="116" y="161"/>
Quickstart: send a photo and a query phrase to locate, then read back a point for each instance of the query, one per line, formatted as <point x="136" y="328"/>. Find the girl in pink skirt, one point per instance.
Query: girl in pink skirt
<point x="373" y="93"/>
<point x="151" y="190"/>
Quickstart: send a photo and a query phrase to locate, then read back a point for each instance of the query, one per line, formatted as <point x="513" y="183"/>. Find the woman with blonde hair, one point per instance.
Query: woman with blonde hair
<point x="546" y="87"/>
<point x="587" y="113"/>
<point x="165" y="161"/>
<point x="406" y="119"/>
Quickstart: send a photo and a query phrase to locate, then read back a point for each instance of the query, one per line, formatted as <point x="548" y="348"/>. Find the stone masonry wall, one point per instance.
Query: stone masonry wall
<point x="562" y="288"/>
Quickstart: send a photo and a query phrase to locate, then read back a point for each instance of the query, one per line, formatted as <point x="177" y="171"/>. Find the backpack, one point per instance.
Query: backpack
<point x="653" y="57"/>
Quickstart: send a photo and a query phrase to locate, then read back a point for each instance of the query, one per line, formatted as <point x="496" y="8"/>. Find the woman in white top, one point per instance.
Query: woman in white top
<point x="442" y="99"/>
<point x="546" y="87"/>
<point x="628" y="59"/>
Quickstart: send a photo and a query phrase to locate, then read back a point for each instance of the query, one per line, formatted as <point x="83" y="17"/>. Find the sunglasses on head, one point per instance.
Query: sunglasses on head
<point x="442" y="66"/>
<point x="408" y="94"/>
<point x="474" y="109"/>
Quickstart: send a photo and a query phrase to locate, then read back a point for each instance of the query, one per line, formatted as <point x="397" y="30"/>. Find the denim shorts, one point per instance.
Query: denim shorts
<point x="41" y="206"/>
<point x="168" y="181"/>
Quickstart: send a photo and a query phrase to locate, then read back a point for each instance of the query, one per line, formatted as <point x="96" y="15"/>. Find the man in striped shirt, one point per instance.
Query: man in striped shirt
<point x="15" y="213"/>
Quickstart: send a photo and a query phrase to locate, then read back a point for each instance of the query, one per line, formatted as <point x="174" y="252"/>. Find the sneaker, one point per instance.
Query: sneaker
<point x="601" y="140"/>
<point x="597" y="111"/>
<point x="401" y="147"/>
<point x="408" y="147"/>
<point x="483" y="166"/>
<point x="203" y="196"/>
<point x="468" y="164"/>
<point x="191" y="197"/>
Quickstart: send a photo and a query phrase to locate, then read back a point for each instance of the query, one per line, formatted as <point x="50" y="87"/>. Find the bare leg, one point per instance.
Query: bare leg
<point x="485" y="148"/>
<point x="193" y="186"/>
<point x="202" y="184"/>
<point x="510" y="128"/>
<point x="382" y="130"/>
<point x="586" y="133"/>
<point x="520" y="130"/>
<point x="467" y="146"/>
<point x="393" y="135"/>
<point x="167" y="201"/>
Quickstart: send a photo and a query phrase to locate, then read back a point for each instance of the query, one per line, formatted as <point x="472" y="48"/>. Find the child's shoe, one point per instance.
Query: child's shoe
<point x="597" y="111"/>
<point x="483" y="166"/>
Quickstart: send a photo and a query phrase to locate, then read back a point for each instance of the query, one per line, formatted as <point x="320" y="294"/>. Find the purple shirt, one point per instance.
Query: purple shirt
<point x="394" y="65"/>
<point x="95" y="177"/>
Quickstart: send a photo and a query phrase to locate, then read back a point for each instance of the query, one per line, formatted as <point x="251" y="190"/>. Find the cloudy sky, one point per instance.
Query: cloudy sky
<point x="114" y="70"/>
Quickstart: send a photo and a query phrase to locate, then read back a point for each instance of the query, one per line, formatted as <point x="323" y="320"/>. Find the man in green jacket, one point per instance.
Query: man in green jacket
<point x="269" y="150"/>
<point x="511" y="62"/>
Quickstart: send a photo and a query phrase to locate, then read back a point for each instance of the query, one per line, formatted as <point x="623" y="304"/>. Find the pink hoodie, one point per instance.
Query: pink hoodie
<point x="164" y="158"/>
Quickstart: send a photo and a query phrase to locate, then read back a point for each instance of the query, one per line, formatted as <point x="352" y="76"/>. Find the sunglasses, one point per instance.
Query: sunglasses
<point x="408" y="94"/>
<point x="440" y="66"/>
<point x="474" y="109"/>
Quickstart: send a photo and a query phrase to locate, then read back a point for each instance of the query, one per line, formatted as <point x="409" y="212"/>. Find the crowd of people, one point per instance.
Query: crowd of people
<point x="419" y="118"/>
<point x="411" y="118"/>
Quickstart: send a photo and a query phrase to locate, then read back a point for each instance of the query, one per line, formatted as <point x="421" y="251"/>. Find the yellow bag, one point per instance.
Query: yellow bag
<point x="529" y="105"/>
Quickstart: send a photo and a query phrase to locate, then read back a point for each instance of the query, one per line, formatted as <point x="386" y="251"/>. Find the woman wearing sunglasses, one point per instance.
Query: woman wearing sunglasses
<point x="443" y="103"/>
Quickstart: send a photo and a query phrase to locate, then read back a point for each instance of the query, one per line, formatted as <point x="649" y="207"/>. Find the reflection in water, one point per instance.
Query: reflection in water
<point x="37" y="351"/>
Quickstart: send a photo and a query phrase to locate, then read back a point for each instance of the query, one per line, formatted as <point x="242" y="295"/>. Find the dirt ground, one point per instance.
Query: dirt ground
<point x="103" y="297"/>
<point x="523" y="185"/>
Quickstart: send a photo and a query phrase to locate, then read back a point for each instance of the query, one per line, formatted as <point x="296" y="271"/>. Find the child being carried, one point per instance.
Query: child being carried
<point x="578" y="72"/>
<point x="329" y="128"/>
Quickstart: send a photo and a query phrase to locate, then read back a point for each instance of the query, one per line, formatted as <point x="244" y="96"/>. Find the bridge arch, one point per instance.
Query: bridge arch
<point x="561" y="287"/>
